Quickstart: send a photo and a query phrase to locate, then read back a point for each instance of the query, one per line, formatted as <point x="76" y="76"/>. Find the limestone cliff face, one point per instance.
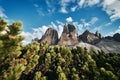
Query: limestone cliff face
<point x="50" y="36"/>
<point x="89" y="37"/>
<point x="69" y="35"/>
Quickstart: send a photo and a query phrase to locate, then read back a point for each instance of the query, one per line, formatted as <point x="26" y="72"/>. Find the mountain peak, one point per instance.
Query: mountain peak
<point x="68" y="28"/>
<point x="50" y="36"/>
<point x="89" y="37"/>
<point x="69" y="35"/>
<point x="87" y="32"/>
<point x="98" y="34"/>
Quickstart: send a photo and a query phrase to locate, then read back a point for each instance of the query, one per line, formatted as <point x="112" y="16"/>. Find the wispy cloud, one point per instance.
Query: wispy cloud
<point x="63" y="10"/>
<point x="36" y="5"/>
<point x="50" y="5"/>
<point x="97" y="28"/>
<point x="93" y="20"/>
<point x="78" y="26"/>
<point x="64" y="4"/>
<point x="58" y="26"/>
<point x="87" y="3"/>
<point x="28" y="37"/>
<point x="89" y="23"/>
<point x="112" y="8"/>
<point x="2" y="14"/>
<point x="100" y="27"/>
<point x="39" y="10"/>
<point x="73" y="9"/>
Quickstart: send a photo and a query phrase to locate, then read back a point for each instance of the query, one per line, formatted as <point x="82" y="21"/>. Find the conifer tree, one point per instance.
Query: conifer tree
<point x="10" y="49"/>
<point x="61" y="74"/>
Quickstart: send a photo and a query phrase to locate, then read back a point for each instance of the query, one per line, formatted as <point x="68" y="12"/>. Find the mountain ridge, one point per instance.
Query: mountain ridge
<point x="70" y="37"/>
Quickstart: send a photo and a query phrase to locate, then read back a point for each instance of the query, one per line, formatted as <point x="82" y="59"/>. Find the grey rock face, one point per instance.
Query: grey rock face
<point x="69" y="35"/>
<point x="89" y="37"/>
<point x="50" y="36"/>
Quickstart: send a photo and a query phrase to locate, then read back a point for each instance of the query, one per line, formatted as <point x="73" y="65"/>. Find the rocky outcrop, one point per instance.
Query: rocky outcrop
<point x="97" y="34"/>
<point x="50" y="36"/>
<point x="69" y="35"/>
<point x="89" y="37"/>
<point x="116" y="37"/>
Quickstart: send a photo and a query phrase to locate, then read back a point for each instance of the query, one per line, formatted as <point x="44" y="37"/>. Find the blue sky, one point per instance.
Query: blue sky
<point x="38" y="15"/>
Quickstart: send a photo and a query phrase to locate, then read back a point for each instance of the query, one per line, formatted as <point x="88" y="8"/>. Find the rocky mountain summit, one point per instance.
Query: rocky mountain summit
<point x="70" y="37"/>
<point x="50" y="36"/>
<point x="89" y="37"/>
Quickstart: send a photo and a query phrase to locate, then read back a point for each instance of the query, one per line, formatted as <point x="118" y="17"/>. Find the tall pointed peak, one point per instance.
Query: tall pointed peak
<point x="50" y="36"/>
<point x="87" y="32"/>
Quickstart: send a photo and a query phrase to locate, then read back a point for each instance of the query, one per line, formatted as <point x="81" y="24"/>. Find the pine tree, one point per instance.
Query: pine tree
<point x="75" y="75"/>
<point x="10" y="49"/>
<point x="61" y="74"/>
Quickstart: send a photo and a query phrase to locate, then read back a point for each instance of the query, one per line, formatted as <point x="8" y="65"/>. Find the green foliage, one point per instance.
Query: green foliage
<point x="17" y="66"/>
<point x="37" y="76"/>
<point x="39" y="61"/>
<point x="60" y="73"/>
<point x="75" y="75"/>
<point x="107" y="75"/>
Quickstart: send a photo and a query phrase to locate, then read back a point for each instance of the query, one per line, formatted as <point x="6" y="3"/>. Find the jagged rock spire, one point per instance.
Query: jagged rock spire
<point x="50" y="36"/>
<point x="69" y="35"/>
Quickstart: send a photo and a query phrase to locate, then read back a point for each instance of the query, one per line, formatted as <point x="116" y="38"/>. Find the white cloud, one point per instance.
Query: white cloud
<point x="59" y="22"/>
<point x="87" y="3"/>
<point x="2" y="14"/>
<point x="81" y="3"/>
<point x="108" y="24"/>
<point x="93" y="20"/>
<point x="92" y="2"/>
<point x="97" y="28"/>
<point x="40" y="12"/>
<point x="73" y="9"/>
<point x="112" y="8"/>
<point x="79" y="27"/>
<point x="63" y="10"/>
<point x="58" y="27"/>
<point x="28" y="37"/>
<point x="37" y="33"/>
<point x="89" y="23"/>
<point x="64" y="4"/>
<point x="69" y="19"/>
<point x="50" y="5"/>
<point x="108" y="2"/>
